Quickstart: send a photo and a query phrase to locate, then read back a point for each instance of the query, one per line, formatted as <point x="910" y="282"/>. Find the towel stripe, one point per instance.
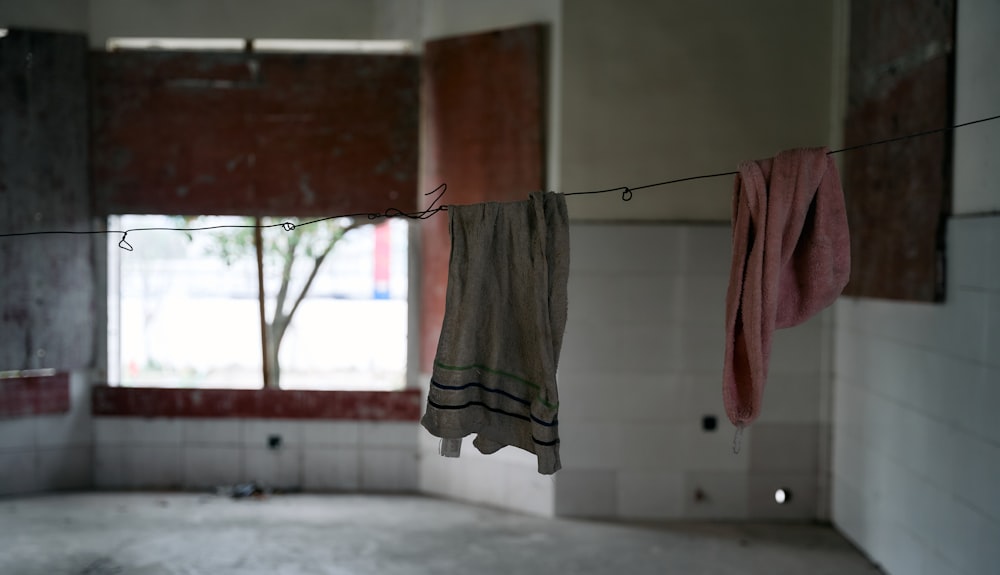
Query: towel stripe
<point x="520" y="400"/>
<point x="436" y="405"/>
<point x="498" y="372"/>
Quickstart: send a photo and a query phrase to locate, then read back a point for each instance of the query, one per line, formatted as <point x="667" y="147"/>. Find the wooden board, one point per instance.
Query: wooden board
<point x="899" y="195"/>
<point x="483" y="133"/>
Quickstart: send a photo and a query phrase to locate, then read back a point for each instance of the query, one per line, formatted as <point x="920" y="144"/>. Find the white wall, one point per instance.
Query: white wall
<point x="660" y="90"/>
<point x="508" y="478"/>
<point x="641" y="366"/>
<point x="341" y="19"/>
<point x="916" y="446"/>
<point x="49" y="452"/>
<point x="61" y="15"/>
<point x="977" y="95"/>
<point x="102" y="19"/>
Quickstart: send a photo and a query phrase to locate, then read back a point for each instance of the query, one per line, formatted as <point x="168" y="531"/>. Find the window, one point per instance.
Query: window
<point x="184" y="309"/>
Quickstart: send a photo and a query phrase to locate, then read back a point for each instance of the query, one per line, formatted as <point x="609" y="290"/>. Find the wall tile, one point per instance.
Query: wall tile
<point x="650" y="495"/>
<point x="18" y="472"/>
<point x="389" y="434"/>
<point x="150" y="431"/>
<point x="586" y="493"/>
<point x="17" y="434"/>
<point x="327" y="433"/>
<point x="615" y="248"/>
<point x="528" y="492"/>
<point x="279" y="468"/>
<point x="211" y="431"/>
<point x="110" y="471"/>
<point x="110" y="430"/>
<point x="968" y="241"/>
<point x="724" y="495"/>
<point x="209" y="467"/>
<point x="589" y="444"/>
<point x="790" y="448"/>
<point x="65" y="468"/>
<point x="75" y="428"/>
<point x="331" y="468"/>
<point x="388" y="469"/>
<point x="156" y="466"/>
<point x="706" y="249"/>
<point x="256" y="431"/>
<point x="801" y="493"/>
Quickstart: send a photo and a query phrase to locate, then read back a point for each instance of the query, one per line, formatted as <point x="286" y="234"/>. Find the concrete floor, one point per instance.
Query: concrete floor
<point x="105" y="534"/>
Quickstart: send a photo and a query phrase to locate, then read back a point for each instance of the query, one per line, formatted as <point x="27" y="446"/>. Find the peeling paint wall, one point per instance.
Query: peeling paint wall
<point x="47" y="291"/>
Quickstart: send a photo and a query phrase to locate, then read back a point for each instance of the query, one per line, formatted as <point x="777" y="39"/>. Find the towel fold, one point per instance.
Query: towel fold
<point x="791" y="259"/>
<point x="505" y="313"/>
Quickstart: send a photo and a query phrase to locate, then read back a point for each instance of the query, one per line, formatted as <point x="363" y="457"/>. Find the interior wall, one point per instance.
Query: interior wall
<point x="340" y="19"/>
<point x="509" y="478"/>
<point x="60" y="15"/>
<point x="659" y="90"/>
<point x="205" y="453"/>
<point x="652" y="92"/>
<point x="52" y="451"/>
<point x="916" y="447"/>
<point x="641" y="369"/>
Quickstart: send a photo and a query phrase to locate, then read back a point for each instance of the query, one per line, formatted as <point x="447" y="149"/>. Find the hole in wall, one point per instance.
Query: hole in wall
<point x="782" y="495"/>
<point x="3" y="32"/>
<point x="709" y="423"/>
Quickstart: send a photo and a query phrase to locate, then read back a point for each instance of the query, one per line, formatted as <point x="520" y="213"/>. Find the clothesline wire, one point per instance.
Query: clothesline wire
<point x="439" y="192"/>
<point x="627" y="190"/>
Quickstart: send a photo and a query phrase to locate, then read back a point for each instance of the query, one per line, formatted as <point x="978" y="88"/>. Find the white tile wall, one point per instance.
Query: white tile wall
<point x="49" y="452"/>
<point x="506" y="479"/>
<point x="331" y="469"/>
<point x="199" y="453"/>
<point x="916" y="453"/>
<point x="641" y="365"/>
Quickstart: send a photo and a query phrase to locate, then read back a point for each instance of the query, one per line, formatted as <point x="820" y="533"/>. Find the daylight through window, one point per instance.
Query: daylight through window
<point x="184" y="308"/>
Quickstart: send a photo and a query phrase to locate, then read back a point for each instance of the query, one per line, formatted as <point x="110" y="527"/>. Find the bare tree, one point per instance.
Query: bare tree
<point x="304" y="247"/>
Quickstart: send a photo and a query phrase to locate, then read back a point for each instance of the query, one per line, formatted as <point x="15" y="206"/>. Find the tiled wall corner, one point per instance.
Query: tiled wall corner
<point x="49" y="452"/>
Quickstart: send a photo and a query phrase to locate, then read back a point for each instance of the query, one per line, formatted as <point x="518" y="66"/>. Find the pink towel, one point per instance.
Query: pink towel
<point x="791" y="259"/>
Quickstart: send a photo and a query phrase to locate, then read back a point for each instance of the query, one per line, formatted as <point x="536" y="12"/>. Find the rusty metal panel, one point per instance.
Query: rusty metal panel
<point x="254" y="134"/>
<point x="899" y="194"/>
<point x="483" y="122"/>
<point x="48" y="299"/>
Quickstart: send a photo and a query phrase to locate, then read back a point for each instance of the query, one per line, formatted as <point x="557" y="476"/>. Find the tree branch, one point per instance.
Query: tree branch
<point x="319" y="262"/>
<point x="286" y="277"/>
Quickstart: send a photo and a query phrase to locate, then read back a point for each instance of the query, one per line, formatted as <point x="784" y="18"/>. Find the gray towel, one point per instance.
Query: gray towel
<point x="505" y="313"/>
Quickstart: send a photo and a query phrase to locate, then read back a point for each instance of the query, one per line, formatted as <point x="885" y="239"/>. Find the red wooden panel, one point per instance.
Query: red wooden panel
<point x="483" y="121"/>
<point x="254" y="134"/>
<point x="899" y="195"/>
<point x="263" y="403"/>
<point x="34" y="395"/>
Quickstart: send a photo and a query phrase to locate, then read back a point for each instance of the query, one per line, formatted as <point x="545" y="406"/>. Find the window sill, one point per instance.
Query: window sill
<point x="401" y="405"/>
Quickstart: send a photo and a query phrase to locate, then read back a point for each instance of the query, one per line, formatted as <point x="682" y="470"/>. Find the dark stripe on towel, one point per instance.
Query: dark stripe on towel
<point x="520" y="400"/>
<point x="436" y="405"/>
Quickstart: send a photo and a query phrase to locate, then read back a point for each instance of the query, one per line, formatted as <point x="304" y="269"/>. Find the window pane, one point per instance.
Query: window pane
<point x="187" y="318"/>
<point x="183" y="309"/>
<point x="349" y="331"/>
